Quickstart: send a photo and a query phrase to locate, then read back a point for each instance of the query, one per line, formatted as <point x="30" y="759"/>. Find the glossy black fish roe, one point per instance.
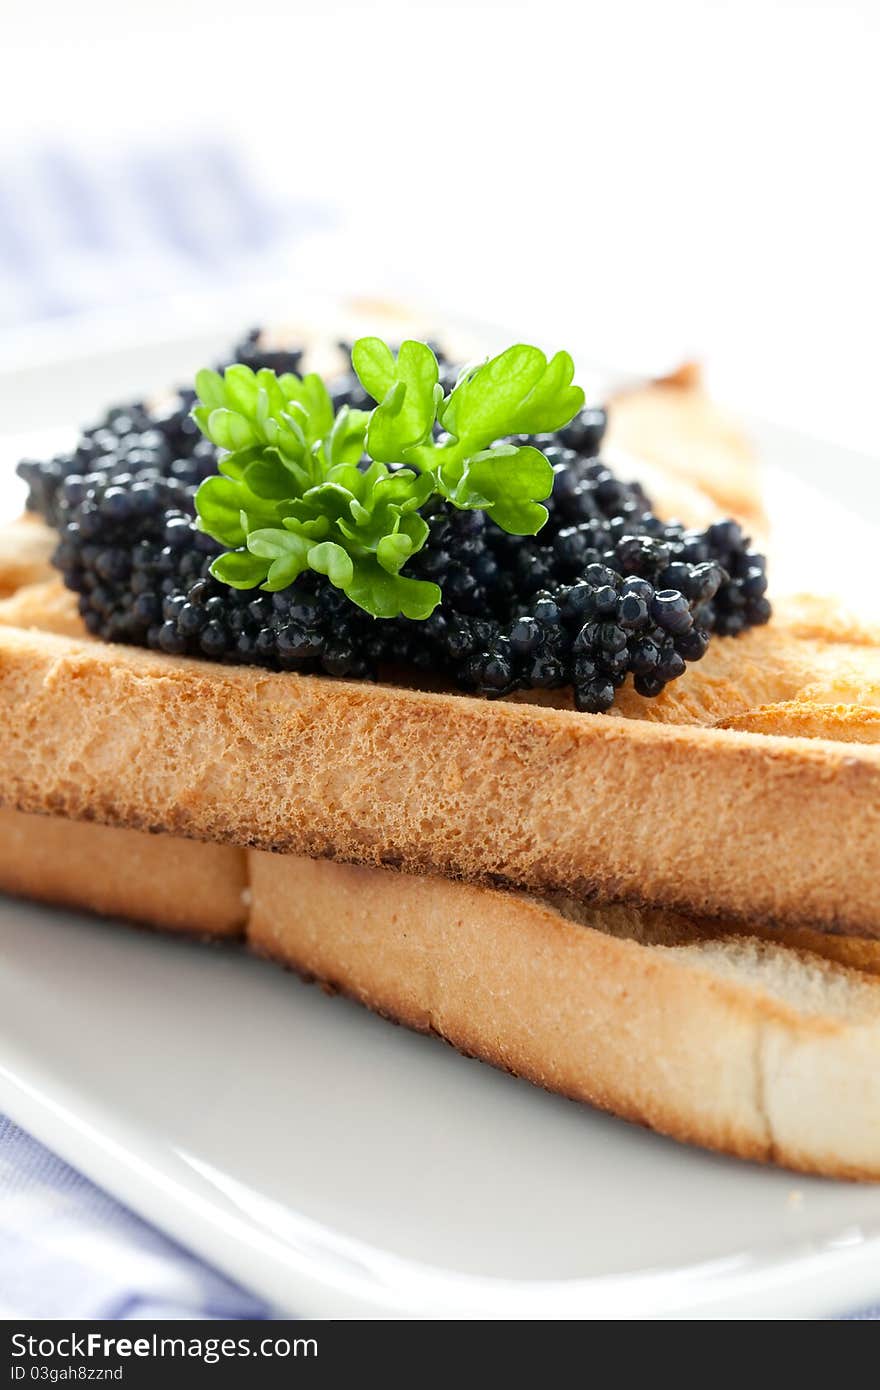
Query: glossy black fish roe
<point x="605" y="592"/>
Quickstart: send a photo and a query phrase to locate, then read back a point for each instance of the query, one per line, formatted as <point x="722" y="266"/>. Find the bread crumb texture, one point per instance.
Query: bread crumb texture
<point x="685" y="815"/>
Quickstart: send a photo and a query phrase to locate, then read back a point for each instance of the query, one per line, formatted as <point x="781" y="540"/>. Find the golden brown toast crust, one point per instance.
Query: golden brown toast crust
<point x="683" y="816"/>
<point x="204" y="888"/>
<point x="156" y="880"/>
<point x="628" y="1009"/>
<point x="25" y="550"/>
<point x="712" y="1045"/>
<point x="45" y="605"/>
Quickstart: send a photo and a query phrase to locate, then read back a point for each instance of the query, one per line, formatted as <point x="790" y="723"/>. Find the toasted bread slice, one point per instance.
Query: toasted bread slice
<point x="677" y="426"/>
<point x="803" y="719"/>
<point x="45" y="605"/>
<point x="684" y="1025"/>
<point x="156" y="880"/>
<point x="679" y="814"/>
<point x="204" y="889"/>
<point x="25" y="549"/>
<point x="754" y="1049"/>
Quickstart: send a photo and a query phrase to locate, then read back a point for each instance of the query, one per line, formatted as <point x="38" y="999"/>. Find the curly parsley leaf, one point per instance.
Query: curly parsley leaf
<point x="301" y="488"/>
<point x="517" y="392"/>
<point x="509" y="483"/>
<point x="346" y="439"/>
<point x="388" y="595"/>
<point x="228" y="509"/>
<point x="407" y="409"/>
<point x="373" y="361"/>
<point x="239" y="569"/>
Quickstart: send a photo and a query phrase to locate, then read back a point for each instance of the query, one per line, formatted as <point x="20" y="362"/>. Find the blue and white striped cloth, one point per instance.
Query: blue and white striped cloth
<point x="67" y="1250"/>
<point x="80" y="234"/>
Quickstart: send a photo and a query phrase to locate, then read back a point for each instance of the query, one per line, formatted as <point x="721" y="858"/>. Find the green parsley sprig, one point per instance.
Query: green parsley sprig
<point x="293" y="491"/>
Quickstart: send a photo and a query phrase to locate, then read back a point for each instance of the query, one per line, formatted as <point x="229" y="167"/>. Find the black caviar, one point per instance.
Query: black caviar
<point x="606" y="591"/>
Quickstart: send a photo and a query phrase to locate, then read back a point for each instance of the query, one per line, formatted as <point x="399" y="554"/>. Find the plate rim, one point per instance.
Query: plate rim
<point x="347" y="1278"/>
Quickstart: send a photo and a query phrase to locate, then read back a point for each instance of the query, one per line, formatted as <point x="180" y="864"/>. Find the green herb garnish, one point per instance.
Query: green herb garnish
<point x="290" y="494"/>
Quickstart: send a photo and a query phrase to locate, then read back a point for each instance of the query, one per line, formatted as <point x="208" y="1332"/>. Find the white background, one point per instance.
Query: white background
<point x="654" y="180"/>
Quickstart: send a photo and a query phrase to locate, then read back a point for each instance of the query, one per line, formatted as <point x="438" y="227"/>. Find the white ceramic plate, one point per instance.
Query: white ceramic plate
<point x="341" y="1167"/>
